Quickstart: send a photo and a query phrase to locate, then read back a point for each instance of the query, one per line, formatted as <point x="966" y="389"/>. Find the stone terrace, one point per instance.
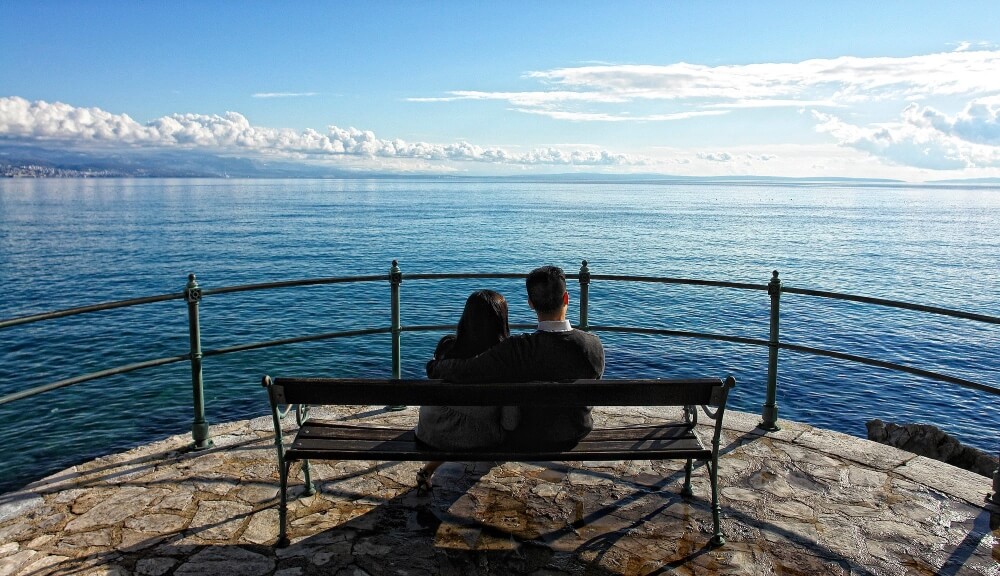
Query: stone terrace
<point x="799" y="501"/>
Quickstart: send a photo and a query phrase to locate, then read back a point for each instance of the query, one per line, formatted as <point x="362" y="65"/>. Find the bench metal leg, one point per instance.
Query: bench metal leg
<point x="686" y="490"/>
<point x="310" y="489"/>
<point x="283" y="470"/>
<point x="719" y="538"/>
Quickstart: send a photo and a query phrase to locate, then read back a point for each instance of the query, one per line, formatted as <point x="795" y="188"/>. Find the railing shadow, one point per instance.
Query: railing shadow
<point x="982" y="525"/>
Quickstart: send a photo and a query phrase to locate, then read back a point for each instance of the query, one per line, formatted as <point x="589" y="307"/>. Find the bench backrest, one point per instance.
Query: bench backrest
<point x="625" y="392"/>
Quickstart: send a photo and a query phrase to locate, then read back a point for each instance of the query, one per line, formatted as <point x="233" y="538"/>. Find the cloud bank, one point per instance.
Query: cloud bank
<point x="922" y="136"/>
<point x="600" y="93"/>
<point x="927" y="138"/>
<point x="41" y="121"/>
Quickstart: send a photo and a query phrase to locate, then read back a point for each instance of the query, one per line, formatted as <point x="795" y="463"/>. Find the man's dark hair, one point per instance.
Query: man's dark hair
<point x="546" y="286"/>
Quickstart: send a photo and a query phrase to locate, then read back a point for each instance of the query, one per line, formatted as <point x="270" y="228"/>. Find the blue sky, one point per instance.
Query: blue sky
<point x="907" y="90"/>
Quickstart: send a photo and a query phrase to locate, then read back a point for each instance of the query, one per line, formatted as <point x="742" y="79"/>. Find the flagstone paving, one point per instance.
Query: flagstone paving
<point x="797" y="501"/>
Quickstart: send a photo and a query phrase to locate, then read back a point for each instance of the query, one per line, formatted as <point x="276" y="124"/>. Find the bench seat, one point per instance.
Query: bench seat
<point x="323" y="440"/>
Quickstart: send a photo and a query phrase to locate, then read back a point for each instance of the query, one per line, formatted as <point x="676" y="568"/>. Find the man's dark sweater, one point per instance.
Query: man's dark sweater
<point x="539" y="356"/>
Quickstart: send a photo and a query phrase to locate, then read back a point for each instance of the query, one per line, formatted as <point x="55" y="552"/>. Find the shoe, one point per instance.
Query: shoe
<point x="424" y="485"/>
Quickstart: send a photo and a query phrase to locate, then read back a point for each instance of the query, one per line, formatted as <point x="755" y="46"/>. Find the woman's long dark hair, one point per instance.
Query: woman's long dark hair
<point x="483" y="324"/>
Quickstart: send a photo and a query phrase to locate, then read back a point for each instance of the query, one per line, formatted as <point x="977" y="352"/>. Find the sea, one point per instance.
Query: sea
<point x="73" y="242"/>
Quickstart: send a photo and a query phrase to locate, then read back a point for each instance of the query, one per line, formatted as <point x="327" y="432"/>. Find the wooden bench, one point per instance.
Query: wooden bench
<point x="328" y="440"/>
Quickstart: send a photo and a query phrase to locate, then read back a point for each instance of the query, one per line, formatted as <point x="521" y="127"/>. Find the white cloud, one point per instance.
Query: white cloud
<point x="927" y="138"/>
<point x="282" y="94"/>
<point x="788" y="160"/>
<point x="747" y="159"/>
<point x="56" y="121"/>
<point x="776" y="103"/>
<point x="587" y="92"/>
<point x="599" y="117"/>
<point x="527" y="98"/>
<point x="966" y="72"/>
<point x="716" y="156"/>
<point x="978" y="123"/>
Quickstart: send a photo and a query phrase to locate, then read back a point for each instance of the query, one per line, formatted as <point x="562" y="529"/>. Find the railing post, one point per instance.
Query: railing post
<point x="199" y="430"/>
<point x="770" y="409"/>
<point x="395" y="279"/>
<point x="584" y="295"/>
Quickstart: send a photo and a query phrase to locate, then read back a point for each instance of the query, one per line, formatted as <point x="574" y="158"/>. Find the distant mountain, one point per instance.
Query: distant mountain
<point x="989" y="181"/>
<point x="29" y="160"/>
<point x="34" y="161"/>
<point x="667" y="178"/>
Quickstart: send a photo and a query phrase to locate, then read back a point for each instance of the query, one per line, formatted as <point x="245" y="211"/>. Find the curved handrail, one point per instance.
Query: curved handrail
<point x="294" y="340"/>
<point x="91" y="376"/>
<point x="495" y="275"/>
<point x="99" y="307"/>
<point x="443" y="327"/>
<point x="894" y="304"/>
<point x="292" y="284"/>
<point x="682" y="281"/>
<point x="85" y="309"/>
<point x="681" y="334"/>
<point x="892" y="366"/>
<point x="806" y="350"/>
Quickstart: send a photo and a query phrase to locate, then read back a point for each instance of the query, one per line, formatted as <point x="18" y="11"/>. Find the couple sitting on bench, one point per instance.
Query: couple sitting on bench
<point x="482" y="350"/>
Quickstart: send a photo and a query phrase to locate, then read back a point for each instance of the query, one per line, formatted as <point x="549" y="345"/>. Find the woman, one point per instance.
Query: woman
<point x="483" y="324"/>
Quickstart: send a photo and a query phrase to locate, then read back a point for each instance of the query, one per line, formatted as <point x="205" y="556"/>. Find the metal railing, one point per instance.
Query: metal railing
<point x="193" y="295"/>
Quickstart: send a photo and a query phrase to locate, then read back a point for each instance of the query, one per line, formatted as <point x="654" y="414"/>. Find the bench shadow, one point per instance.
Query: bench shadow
<point x="456" y="530"/>
<point x="434" y="533"/>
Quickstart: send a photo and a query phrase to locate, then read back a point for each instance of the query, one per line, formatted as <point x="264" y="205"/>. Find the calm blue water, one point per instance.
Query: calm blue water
<point x="66" y="243"/>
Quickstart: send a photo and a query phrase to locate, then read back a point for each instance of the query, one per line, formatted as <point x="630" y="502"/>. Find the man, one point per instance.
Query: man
<point x="554" y="352"/>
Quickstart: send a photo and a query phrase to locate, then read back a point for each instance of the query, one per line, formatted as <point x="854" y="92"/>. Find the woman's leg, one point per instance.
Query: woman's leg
<point x="424" y="476"/>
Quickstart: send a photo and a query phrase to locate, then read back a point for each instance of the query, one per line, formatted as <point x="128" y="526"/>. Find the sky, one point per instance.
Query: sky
<point x="872" y="89"/>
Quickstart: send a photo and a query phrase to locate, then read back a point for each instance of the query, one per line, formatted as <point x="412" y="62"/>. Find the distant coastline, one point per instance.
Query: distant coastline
<point x="34" y="171"/>
<point x="39" y="171"/>
<point x="37" y="162"/>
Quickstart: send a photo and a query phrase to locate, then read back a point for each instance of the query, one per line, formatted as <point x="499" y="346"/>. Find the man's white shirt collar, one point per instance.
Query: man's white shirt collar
<point x="554" y="326"/>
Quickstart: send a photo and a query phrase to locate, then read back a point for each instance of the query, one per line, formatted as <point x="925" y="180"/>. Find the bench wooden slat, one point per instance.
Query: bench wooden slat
<point x="641" y="432"/>
<point x="339" y="441"/>
<point x="366" y="391"/>
<point x="327" y="429"/>
<point x="685" y="445"/>
<point x="618" y="445"/>
<point x="323" y="429"/>
<point x="410" y="452"/>
<point x="577" y="455"/>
